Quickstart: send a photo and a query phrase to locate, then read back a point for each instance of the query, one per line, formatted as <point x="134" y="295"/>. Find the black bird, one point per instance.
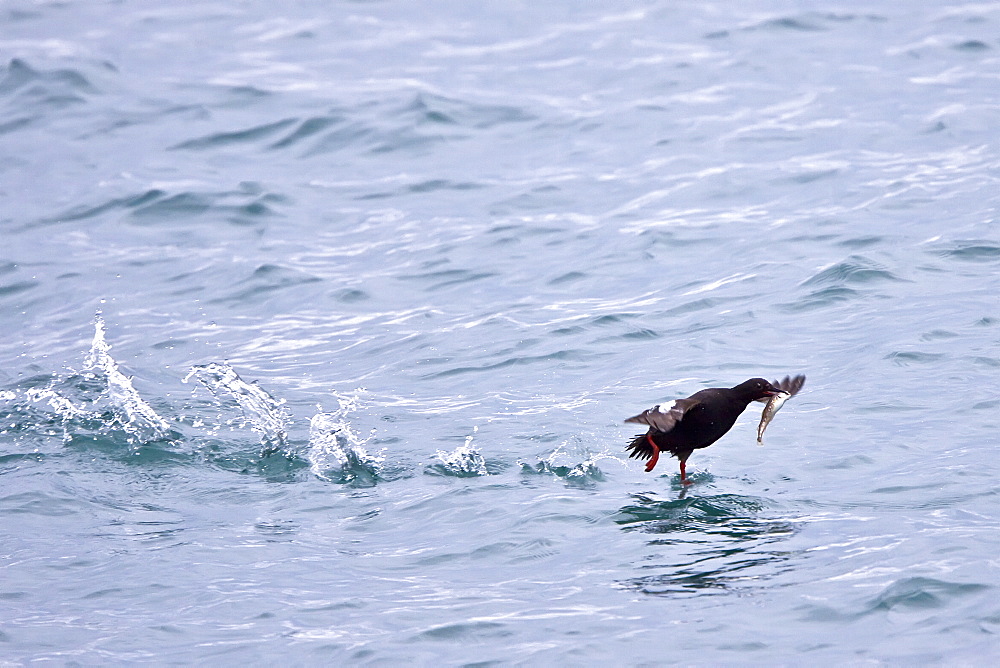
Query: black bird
<point x="686" y="425"/>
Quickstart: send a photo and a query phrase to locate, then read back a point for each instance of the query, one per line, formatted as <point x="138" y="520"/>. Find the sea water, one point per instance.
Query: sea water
<point x="319" y="321"/>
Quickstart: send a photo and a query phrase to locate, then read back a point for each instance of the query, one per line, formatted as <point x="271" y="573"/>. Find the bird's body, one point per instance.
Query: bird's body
<point x="697" y="422"/>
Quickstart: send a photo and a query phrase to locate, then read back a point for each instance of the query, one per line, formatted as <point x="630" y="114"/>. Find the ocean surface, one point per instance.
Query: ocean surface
<point x="319" y="321"/>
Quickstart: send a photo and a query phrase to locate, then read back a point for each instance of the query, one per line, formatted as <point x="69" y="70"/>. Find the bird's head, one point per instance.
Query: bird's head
<point x="757" y="389"/>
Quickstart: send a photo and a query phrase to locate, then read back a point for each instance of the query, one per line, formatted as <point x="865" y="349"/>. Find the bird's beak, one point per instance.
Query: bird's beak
<point x="773" y="392"/>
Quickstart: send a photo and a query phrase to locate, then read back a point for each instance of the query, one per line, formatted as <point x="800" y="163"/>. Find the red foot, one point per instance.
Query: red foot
<point x="684" y="480"/>
<point x="656" y="454"/>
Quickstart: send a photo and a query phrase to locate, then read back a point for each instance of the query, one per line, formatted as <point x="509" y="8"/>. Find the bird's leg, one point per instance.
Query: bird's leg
<point x="684" y="480"/>
<point x="656" y="453"/>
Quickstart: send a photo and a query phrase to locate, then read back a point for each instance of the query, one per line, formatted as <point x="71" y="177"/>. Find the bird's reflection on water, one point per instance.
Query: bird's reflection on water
<point x="705" y="544"/>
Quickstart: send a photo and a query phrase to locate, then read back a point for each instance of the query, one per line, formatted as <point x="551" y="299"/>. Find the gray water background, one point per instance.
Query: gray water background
<point x="417" y="261"/>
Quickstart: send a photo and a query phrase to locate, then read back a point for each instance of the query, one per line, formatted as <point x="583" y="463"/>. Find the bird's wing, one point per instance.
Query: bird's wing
<point x="791" y="384"/>
<point x="664" y="418"/>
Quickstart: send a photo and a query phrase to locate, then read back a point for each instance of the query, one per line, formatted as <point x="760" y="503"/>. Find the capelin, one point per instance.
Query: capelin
<point x="774" y="404"/>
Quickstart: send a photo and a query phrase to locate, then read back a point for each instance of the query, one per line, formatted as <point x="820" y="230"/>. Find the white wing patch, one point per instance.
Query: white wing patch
<point x="665" y="408"/>
<point x="663" y="417"/>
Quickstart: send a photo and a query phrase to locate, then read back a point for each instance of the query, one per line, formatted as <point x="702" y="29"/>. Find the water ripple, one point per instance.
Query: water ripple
<point x="854" y="270"/>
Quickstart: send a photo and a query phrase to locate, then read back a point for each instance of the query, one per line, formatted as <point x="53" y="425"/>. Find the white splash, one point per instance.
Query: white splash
<point x="133" y="414"/>
<point x="465" y="460"/>
<point x="581" y="473"/>
<point x="261" y="412"/>
<point x="586" y="469"/>
<point x="336" y="452"/>
<point x="60" y="404"/>
<point x="67" y="411"/>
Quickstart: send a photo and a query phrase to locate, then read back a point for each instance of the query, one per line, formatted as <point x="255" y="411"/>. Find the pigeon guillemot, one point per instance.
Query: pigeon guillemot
<point x="686" y="425"/>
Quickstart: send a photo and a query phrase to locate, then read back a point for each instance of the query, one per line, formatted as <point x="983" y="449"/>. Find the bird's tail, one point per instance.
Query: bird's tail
<point x="639" y="448"/>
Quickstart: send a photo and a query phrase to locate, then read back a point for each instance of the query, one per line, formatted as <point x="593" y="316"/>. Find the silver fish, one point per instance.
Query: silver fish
<point x="789" y="387"/>
<point x="774" y="405"/>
